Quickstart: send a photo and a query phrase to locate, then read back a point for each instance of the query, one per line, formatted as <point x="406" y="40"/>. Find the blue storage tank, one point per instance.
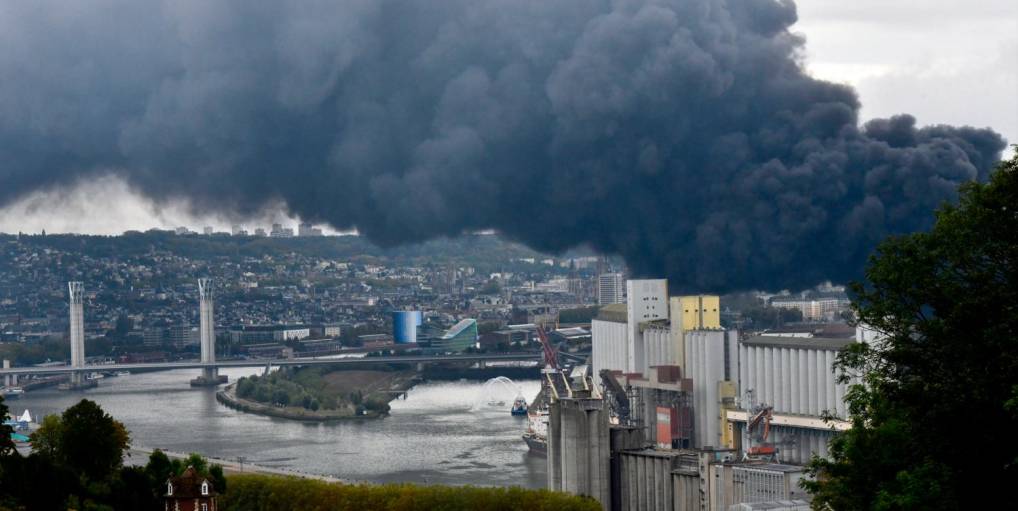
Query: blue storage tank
<point x="404" y="326"/>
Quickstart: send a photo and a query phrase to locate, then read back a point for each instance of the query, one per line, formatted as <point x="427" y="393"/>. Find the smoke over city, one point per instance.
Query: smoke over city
<point x="682" y="134"/>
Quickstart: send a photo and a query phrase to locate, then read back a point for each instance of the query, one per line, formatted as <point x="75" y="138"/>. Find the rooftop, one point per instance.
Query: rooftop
<point x="819" y="343"/>
<point x="615" y="313"/>
<point x="458" y="328"/>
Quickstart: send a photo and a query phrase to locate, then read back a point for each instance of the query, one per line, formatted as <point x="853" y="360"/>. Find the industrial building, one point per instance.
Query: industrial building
<point x="771" y="399"/>
<point x="404" y="326"/>
<point x="792" y="380"/>
<point x="616" y="465"/>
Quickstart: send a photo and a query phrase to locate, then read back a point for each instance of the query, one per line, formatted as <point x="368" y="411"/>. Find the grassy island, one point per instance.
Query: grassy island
<point x="316" y="393"/>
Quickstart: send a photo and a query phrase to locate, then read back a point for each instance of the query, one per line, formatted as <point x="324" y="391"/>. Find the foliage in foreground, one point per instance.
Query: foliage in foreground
<point x="938" y="404"/>
<point x="260" y="492"/>
<point x="77" y="463"/>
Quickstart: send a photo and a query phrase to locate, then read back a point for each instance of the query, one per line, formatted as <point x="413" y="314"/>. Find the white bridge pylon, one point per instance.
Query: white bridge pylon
<point x="76" y="297"/>
<point x="207" y="327"/>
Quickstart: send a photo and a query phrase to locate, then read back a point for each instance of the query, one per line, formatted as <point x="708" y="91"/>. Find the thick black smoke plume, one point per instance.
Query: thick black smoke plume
<point x="682" y="134"/>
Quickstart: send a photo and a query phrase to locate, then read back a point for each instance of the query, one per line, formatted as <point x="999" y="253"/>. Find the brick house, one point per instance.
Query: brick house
<point x="190" y="492"/>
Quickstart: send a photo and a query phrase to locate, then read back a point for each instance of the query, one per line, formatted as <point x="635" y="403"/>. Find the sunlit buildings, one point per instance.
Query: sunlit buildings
<point x="306" y="230"/>
<point x="822" y="307"/>
<point x="278" y="231"/>
<point x="610" y="288"/>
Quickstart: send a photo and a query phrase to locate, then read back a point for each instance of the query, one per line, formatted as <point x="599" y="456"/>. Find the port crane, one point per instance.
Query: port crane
<point x="758" y="431"/>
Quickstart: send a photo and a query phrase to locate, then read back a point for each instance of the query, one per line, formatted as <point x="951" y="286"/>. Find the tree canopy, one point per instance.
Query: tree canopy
<point x="938" y="398"/>
<point x="6" y="444"/>
<point x="85" y="439"/>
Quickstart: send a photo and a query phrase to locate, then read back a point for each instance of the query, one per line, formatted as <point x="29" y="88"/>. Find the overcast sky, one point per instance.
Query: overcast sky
<point x="943" y="61"/>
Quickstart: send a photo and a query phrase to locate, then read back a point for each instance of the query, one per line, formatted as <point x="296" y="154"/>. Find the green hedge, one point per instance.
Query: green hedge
<point x="249" y="492"/>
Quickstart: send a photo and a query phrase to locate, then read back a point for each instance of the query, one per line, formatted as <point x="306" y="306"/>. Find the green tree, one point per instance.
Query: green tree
<point x="281" y="397"/>
<point x="6" y="443"/>
<point x="245" y="388"/>
<point x="91" y="442"/>
<point x="46" y="439"/>
<point x="158" y="470"/>
<point x="217" y="477"/>
<point x="936" y="404"/>
<point x="133" y="490"/>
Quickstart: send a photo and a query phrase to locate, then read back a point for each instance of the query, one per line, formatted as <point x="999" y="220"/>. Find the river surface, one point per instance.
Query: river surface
<point x="442" y="433"/>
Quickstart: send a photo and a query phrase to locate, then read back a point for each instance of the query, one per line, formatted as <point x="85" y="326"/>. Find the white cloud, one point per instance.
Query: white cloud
<point x="943" y="61"/>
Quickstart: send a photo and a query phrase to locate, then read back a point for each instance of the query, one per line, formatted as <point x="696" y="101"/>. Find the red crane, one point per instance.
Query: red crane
<point x="550" y="353"/>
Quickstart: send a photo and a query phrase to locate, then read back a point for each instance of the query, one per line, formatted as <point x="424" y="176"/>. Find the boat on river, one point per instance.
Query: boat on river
<point x="519" y="407"/>
<point x="9" y="393"/>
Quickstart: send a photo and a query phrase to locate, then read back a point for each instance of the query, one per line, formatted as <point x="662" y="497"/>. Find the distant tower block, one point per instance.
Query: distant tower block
<point x="76" y="292"/>
<point x="207" y="329"/>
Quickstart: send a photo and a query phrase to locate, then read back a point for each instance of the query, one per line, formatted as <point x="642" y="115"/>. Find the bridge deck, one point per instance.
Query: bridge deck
<point x="353" y="361"/>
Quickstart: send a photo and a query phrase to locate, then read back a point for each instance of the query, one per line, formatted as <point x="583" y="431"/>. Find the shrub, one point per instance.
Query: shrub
<point x="261" y="492"/>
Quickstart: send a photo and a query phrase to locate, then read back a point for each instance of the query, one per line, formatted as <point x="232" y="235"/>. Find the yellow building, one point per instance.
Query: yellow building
<point x="697" y="312"/>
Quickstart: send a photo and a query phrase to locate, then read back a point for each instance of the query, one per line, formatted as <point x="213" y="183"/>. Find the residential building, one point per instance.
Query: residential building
<point x="190" y="492"/>
<point x="610" y="288"/>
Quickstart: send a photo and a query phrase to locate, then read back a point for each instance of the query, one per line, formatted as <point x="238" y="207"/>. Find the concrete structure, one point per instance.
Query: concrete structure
<point x="796" y="377"/>
<point x="650" y="330"/>
<point x="696" y="312"/>
<point x="578" y="448"/>
<point x="532" y="357"/>
<point x="646" y="301"/>
<point x="610" y="340"/>
<point x="10" y="380"/>
<point x="610" y="288"/>
<point x="707" y="365"/>
<point x="207" y="335"/>
<point x="661" y="404"/>
<point x="639" y="477"/>
<point x="76" y="296"/>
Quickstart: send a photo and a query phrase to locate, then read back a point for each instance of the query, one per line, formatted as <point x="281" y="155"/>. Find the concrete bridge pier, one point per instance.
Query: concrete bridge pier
<point x="207" y="330"/>
<point x="76" y="301"/>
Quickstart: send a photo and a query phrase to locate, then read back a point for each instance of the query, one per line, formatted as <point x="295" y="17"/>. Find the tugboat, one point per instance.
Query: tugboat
<point x="519" y="407"/>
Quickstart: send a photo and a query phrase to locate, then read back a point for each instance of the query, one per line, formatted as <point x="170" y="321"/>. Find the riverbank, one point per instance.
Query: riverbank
<point x="138" y="456"/>
<point x="336" y="386"/>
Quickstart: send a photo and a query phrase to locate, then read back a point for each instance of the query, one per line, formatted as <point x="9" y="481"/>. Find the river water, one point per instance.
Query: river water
<point x="442" y="433"/>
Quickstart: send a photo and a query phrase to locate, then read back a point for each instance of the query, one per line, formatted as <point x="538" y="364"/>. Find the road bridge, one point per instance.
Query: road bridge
<point x="281" y="362"/>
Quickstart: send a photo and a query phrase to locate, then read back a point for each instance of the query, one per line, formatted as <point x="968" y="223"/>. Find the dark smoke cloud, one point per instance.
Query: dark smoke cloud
<point x="682" y="134"/>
